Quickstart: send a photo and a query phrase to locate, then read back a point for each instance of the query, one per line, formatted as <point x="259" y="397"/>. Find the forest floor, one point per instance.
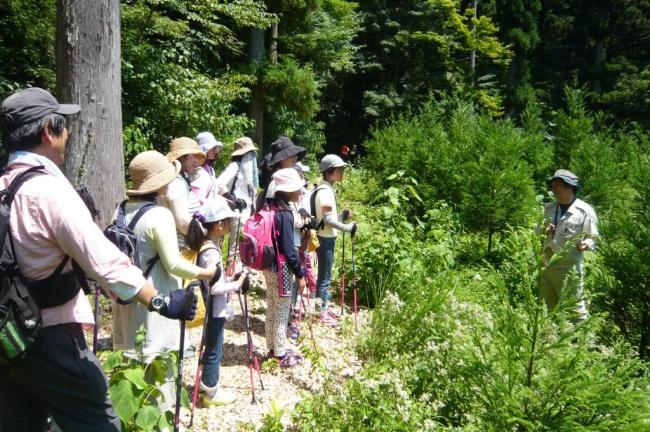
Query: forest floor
<point x="329" y="359"/>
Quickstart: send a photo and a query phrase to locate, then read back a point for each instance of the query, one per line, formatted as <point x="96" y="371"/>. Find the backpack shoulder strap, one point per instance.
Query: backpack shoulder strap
<point x="16" y="183"/>
<point x="312" y="205"/>
<point x="234" y="180"/>
<point x="141" y="211"/>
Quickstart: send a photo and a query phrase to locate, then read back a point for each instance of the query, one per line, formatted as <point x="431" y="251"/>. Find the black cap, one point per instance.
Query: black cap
<point x="30" y="105"/>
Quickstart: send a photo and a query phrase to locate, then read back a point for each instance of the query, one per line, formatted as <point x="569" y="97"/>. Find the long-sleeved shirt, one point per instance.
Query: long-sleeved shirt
<point x="284" y="225"/>
<point x="48" y="220"/>
<point x="204" y="183"/>
<point x="211" y="257"/>
<point x="578" y="223"/>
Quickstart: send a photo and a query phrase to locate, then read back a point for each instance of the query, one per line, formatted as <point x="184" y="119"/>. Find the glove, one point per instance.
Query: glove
<point x="181" y="305"/>
<point x="240" y="204"/>
<point x="353" y="230"/>
<point x="246" y="285"/>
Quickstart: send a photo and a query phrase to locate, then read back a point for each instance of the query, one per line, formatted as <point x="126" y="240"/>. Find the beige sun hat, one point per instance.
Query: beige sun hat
<point x="243" y="145"/>
<point x="183" y="146"/>
<point x="287" y="180"/>
<point x="151" y="171"/>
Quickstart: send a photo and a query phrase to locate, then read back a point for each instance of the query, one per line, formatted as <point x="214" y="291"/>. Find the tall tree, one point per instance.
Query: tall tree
<point x="88" y="73"/>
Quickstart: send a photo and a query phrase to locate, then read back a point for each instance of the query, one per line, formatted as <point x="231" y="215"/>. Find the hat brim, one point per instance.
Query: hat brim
<point x="157" y="181"/>
<point x="336" y="165"/>
<point x="290" y="187"/>
<point x="549" y="182"/>
<point x="67" y="109"/>
<point x="243" y="151"/>
<point x="287" y="153"/>
<point x="174" y="155"/>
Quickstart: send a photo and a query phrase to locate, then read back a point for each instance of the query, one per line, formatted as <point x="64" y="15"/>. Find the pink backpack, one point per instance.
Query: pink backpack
<point x="257" y="247"/>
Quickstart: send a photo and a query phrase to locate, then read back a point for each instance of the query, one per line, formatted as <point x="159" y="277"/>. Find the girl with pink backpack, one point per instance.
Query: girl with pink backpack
<point x="279" y="278"/>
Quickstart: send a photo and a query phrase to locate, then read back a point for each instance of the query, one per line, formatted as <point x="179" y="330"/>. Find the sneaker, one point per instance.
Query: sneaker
<point x="213" y="396"/>
<point x="328" y="320"/>
<point x="293" y="332"/>
<point x="289" y="360"/>
<point x="220" y="398"/>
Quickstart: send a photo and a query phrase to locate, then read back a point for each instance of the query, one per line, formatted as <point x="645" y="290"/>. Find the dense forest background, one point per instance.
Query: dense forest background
<point x="459" y="114"/>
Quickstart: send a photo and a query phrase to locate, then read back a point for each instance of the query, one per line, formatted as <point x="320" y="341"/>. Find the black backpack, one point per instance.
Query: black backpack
<point x="122" y="235"/>
<point x="20" y="316"/>
<point x="312" y="209"/>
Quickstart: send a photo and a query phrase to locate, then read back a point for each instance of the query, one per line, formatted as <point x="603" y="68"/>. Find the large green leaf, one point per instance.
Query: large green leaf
<point x="147" y="417"/>
<point x="126" y="403"/>
<point x="136" y="376"/>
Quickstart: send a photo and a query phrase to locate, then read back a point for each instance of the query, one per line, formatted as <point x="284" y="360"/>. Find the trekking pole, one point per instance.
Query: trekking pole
<point x="354" y="284"/>
<point x="199" y="366"/>
<point x="343" y="271"/>
<point x="251" y="344"/>
<point x="179" y="381"/>
<point x="96" y="327"/>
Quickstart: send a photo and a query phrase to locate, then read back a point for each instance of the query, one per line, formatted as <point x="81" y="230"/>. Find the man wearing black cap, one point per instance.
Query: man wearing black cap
<point x="51" y="228"/>
<point x="571" y="228"/>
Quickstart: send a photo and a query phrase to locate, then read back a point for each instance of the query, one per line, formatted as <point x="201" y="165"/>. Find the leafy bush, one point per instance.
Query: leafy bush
<point x="135" y="389"/>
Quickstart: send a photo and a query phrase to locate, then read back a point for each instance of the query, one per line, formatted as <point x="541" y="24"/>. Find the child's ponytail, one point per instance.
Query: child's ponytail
<point x="195" y="237"/>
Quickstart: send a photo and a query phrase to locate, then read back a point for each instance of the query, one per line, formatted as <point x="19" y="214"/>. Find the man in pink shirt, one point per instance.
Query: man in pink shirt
<point x="51" y="228"/>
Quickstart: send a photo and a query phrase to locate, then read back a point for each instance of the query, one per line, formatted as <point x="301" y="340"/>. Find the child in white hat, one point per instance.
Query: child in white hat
<point x="214" y="218"/>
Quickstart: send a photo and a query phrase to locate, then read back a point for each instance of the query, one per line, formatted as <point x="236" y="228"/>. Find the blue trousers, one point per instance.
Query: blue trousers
<point x="213" y="351"/>
<point x="325" y="262"/>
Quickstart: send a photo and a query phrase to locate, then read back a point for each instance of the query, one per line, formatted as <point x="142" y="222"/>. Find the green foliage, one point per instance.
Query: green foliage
<point x="135" y="388"/>
<point x="487" y="361"/>
<point x="476" y="163"/>
<point x="27" y="31"/>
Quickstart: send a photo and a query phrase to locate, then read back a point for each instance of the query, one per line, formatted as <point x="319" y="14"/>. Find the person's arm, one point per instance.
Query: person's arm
<point x="164" y="238"/>
<point x="225" y="179"/>
<point x="211" y="258"/>
<point x="326" y="200"/>
<point x="284" y="219"/>
<point x="177" y="200"/>
<point x="590" y="231"/>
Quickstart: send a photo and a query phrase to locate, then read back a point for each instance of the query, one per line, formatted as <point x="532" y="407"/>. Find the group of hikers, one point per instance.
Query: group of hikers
<point x="178" y="207"/>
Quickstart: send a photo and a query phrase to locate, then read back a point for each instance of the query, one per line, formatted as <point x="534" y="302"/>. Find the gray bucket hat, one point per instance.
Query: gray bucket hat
<point x="567" y="177"/>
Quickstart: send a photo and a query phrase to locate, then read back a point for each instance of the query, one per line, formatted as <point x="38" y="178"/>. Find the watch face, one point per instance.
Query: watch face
<point x="157" y="302"/>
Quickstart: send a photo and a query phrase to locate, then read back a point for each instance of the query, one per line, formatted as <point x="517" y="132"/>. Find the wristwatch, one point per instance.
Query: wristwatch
<point x="157" y="303"/>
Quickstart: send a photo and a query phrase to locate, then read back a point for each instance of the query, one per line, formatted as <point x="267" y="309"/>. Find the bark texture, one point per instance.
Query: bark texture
<point x="88" y="73"/>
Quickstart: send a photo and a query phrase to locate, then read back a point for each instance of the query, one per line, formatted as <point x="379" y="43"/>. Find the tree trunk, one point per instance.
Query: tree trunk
<point x="599" y="61"/>
<point x="88" y="73"/>
<point x="256" y="109"/>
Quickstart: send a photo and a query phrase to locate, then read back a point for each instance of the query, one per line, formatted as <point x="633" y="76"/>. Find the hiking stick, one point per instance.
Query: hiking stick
<point x="248" y="347"/>
<point x="96" y="327"/>
<point x="250" y="339"/>
<point x="343" y="274"/>
<point x="354" y="284"/>
<point x="179" y="381"/>
<point x="199" y="366"/>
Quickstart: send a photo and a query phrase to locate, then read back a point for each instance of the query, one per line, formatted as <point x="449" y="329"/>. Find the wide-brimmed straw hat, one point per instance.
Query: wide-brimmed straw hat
<point x="151" y="171"/>
<point x="243" y="145"/>
<point x="184" y="146"/>
<point x="287" y="180"/>
<point x="283" y="148"/>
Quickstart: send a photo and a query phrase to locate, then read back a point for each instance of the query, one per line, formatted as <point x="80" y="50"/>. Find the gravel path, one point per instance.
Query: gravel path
<point x="328" y="355"/>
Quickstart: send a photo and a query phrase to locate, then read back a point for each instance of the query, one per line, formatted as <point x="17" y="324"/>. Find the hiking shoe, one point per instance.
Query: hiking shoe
<point x="289" y="360"/>
<point x="213" y="396"/>
<point x="221" y="397"/>
<point x="328" y="320"/>
<point x="293" y="332"/>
